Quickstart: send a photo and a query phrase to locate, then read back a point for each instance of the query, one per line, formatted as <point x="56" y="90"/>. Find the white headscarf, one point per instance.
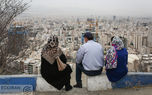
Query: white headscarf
<point x="111" y="56"/>
<point x="51" y="50"/>
<point x="117" y="43"/>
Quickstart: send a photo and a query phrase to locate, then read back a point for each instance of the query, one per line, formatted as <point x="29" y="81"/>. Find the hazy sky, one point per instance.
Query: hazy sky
<point x="91" y="7"/>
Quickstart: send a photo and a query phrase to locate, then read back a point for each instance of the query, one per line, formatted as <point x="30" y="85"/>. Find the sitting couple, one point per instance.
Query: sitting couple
<point x="89" y="60"/>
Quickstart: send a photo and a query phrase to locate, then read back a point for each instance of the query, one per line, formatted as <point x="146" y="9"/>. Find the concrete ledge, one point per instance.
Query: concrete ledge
<point x="132" y="79"/>
<point x="36" y="81"/>
<point x="43" y="86"/>
<point x="17" y="82"/>
<point x="95" y="83"/>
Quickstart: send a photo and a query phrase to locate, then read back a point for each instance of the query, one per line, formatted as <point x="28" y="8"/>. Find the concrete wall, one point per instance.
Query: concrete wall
<point x="93" y="83"/>
<point x="132" y="79"/>
<point x="98" y="83"/>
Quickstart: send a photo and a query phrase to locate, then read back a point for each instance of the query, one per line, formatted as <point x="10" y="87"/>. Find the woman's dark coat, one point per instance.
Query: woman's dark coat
<point x="52" y="75"/>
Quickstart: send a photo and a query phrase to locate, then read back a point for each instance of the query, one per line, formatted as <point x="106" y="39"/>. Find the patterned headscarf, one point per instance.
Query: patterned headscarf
<point x="111" y="58"/>
<point x="51" y="50"/>
<point x="117" y="43"/>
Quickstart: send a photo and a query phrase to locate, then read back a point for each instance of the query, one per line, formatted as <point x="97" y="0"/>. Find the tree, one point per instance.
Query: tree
<point x="9" y="9"/>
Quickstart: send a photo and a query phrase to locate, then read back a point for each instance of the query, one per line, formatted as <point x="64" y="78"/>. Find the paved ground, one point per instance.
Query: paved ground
<point x="83" y="91"/>
<point x="75" y="91"/>
<point x="131" y="91"/>
<point x="84" y="77"/>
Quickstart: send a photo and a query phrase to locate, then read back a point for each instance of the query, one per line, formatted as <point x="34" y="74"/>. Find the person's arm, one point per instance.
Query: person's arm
<point x="127" y="57"/>
<point x="63" y="58"/>
<point x="105" y="63"/>
<point x="80" y="55"/>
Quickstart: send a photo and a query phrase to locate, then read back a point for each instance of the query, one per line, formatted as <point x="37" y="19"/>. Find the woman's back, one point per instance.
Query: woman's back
<point x="51" y="69"/>
<point x="116" y="74"/>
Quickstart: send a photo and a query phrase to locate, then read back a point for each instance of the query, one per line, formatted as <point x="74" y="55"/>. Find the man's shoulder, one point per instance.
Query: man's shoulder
<point x="98" y="44"/>
<point x="83" y="46"/>
<point x="92" y="42"/>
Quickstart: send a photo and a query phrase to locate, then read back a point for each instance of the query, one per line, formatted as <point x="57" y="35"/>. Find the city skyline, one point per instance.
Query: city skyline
<point x="90" y="7"/>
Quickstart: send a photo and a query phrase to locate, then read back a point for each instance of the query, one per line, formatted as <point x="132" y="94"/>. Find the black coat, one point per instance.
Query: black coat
<point x="52" y="75"/>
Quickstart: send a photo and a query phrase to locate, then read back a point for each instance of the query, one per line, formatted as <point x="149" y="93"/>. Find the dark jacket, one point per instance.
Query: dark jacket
<point x="52" y="75"/>
<point x="121" y="70"/>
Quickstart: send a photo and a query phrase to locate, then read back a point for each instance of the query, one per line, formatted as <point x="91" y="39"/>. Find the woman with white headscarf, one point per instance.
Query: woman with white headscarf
<point x="116" y="60"/>
<point x="53" y="65"/>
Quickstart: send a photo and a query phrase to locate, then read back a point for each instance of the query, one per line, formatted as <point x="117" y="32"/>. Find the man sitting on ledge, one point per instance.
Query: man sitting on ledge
<point x="90" y="59"/>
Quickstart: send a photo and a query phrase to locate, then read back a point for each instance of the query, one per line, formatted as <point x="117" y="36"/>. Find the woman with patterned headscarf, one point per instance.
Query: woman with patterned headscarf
<point x="116" y="60"/>
<point x="50" y="68"/>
